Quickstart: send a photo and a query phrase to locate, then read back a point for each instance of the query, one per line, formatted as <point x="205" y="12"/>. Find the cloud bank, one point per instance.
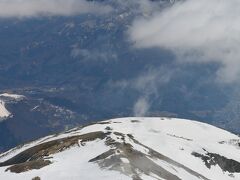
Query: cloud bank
<point x="200" y="31"/>
<point x="32" y="8"/>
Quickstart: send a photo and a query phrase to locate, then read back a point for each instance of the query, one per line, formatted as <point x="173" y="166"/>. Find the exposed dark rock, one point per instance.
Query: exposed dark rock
<point x="108" y="128"/>
<point x="155" y="154"/>
<point x="187" y="139"/>
<point x="30" y="165"/>
<point x="135" y="121"/>
<point x="212" y="159"/>
<point x="102" y="123"/>
<point x="139" y="162"/>
<point x="234" y="142"/>
<point x="36" y="178"/>
<point x="34" y="158"/>
<point x="103" y="156"/>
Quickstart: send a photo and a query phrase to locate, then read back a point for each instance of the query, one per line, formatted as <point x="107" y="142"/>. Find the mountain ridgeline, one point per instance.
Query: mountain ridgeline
<point x="128" y="148"/>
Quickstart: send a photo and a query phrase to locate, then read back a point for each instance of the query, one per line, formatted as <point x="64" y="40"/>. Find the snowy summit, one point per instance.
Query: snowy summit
<point x="128" y="148"/>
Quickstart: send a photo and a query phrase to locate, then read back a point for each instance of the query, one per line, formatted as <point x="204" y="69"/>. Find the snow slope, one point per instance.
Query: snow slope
<point x="129" y="148"/>
<point x="4" y="113"/>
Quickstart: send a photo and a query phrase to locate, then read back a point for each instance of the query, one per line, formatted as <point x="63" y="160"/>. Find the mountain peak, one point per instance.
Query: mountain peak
<point x="129" y="148"/>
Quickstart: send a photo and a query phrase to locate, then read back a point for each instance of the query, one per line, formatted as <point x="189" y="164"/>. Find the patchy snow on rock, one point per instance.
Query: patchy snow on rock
<point x="128" y="148"/>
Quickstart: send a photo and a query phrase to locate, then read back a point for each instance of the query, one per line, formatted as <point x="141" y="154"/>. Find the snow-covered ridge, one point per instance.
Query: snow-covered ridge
<point x="129" y="148"/>
<point x="13" y="96"/>
<point x="4" y="113"/>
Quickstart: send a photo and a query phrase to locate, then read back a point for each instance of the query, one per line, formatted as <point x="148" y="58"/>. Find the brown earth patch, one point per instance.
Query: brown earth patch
<point x="36" y="157"/>
<point x="30" y="165"/>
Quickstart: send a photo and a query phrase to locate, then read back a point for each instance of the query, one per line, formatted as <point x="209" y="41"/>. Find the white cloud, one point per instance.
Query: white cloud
<point x="149" y="82"/>
<point x="199" y="31"/>
<point x="148" y="85"/>
<point x="32" y="8"/>
<point x="141" y="107"/>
